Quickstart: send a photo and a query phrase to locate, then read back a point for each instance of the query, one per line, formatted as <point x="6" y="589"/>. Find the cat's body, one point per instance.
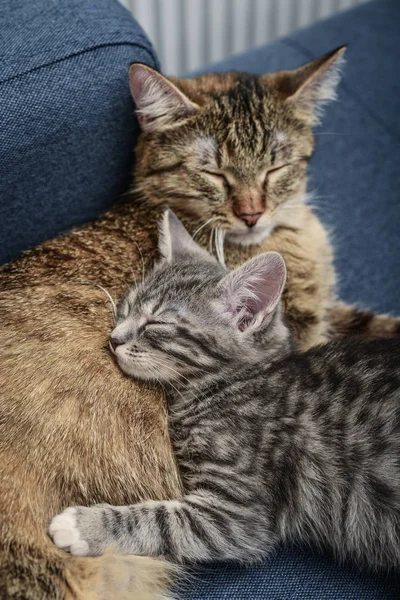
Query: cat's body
<point x="273" y="445"/>
<point x="70" y="426"/>
<point x="62" y="398"/>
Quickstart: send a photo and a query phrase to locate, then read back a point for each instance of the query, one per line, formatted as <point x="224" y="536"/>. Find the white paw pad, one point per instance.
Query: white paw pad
<point x="66" y="535"/>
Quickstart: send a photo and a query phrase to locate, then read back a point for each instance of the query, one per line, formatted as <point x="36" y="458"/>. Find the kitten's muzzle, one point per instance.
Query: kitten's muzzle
<point x="116" y="341"/>
<point x="121" y="334"/>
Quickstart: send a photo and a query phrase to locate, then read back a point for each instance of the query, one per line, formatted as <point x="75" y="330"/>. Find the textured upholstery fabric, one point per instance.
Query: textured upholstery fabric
<point x="356" y="177"/>
<point x="290" y="575"/>
<point x="67" y="126"/>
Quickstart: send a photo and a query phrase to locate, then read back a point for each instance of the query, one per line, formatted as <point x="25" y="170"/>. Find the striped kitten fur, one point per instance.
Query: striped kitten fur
<point x="273" y="445"/>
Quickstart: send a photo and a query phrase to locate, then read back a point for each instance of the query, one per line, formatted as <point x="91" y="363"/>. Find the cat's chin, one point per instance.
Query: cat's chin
<point x="251" y="237"/>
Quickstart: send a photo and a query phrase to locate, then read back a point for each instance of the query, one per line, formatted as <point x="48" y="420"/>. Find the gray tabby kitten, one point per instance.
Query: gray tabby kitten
<point x="272" y="445"/>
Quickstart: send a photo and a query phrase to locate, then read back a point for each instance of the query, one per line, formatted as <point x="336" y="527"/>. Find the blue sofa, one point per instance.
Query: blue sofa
<point x="67" y="133"/>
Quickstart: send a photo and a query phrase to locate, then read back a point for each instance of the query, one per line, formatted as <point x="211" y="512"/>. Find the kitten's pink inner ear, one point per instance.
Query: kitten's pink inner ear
<point x="252" y="292"/>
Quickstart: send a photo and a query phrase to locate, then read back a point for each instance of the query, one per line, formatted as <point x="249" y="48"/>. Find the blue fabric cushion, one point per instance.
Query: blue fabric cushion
<point x="356" y="178"/>
<point x="67" y="125"/>
<point x="355" y="172"/>
<point x="290" y="575"/>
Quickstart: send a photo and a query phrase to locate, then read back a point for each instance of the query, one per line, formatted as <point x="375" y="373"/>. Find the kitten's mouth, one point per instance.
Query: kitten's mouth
<point x="131" y="368"/>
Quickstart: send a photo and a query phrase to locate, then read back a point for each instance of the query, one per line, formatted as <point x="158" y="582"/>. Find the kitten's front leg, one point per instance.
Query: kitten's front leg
<point x="81" y="530"/>
<point x="88" y="531"/>
<point x="190" y="529"/>
<point x="143" y="528"/>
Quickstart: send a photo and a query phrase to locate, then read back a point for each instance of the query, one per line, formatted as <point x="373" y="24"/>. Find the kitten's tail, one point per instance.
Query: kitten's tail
<point x="349" y="321"/>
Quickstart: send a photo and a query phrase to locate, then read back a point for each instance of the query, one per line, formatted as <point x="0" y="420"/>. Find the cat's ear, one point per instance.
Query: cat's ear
<point x="313" y="85"/>
<point x="159" y="103"/>
<point x="250" y="294"/>
<point x="176" y="244"/>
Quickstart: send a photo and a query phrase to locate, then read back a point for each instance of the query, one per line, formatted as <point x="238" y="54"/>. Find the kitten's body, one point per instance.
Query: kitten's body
<point x="273" y="445"/>
<point x="277" y="454"/>
<point x="62" y="398"/>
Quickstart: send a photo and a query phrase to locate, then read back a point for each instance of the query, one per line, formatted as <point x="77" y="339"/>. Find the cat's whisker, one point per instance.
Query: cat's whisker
<point x="219" y="245"/>
<point x="210" y="245"/>
<point x="289" y="205"/>
<point x="204" y="225"/>
<point x="333" y="133"/>
<point x="127" y="193"/>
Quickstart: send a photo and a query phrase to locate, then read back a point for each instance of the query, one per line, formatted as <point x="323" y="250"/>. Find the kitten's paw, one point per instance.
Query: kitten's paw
<point x="79" y="531"/>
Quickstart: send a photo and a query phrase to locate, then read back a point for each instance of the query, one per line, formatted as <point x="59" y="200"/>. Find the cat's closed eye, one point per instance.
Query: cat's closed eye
<point x="219" y="178"/>
<point x="272" y="174"/>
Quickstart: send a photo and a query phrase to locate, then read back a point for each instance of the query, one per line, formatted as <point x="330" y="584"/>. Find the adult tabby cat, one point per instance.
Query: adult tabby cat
<point x="273" y="445"/>
<point x="229" y="151"/>
<point x="72" y="430"/>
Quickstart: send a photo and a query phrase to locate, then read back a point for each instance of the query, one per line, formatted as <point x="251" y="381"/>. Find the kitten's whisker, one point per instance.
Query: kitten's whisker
<point x="157" y="364"/>
<point x="127" y="193"/>
<point x="167" y="366"/>
<point x="189" y="384"/>
<point x="134" y="280"/>
<point x="142" y="259"/>
<point x="106" y="292"/>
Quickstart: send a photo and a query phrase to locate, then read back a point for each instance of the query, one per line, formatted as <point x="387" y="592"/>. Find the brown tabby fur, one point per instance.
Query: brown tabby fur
<point x="73" y="429"/>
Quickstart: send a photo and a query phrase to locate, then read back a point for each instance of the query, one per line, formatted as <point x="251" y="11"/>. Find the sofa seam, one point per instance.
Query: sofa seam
<point x="79" y="53"/>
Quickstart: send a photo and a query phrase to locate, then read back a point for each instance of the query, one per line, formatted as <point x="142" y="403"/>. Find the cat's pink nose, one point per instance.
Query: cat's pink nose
<point x="250" y="218"/>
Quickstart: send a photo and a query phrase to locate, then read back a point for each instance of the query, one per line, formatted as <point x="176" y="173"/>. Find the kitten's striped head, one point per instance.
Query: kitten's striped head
<point x="230" y="150"/>
<point x="190" y="317"/>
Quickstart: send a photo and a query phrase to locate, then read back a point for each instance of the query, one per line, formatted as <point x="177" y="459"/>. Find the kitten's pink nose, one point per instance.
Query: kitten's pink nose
<point x="250" y="218"/>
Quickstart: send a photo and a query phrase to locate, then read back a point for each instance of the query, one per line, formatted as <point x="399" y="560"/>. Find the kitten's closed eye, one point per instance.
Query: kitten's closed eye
<point x="158" y="323"/>
<point x="150" y="325"/>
